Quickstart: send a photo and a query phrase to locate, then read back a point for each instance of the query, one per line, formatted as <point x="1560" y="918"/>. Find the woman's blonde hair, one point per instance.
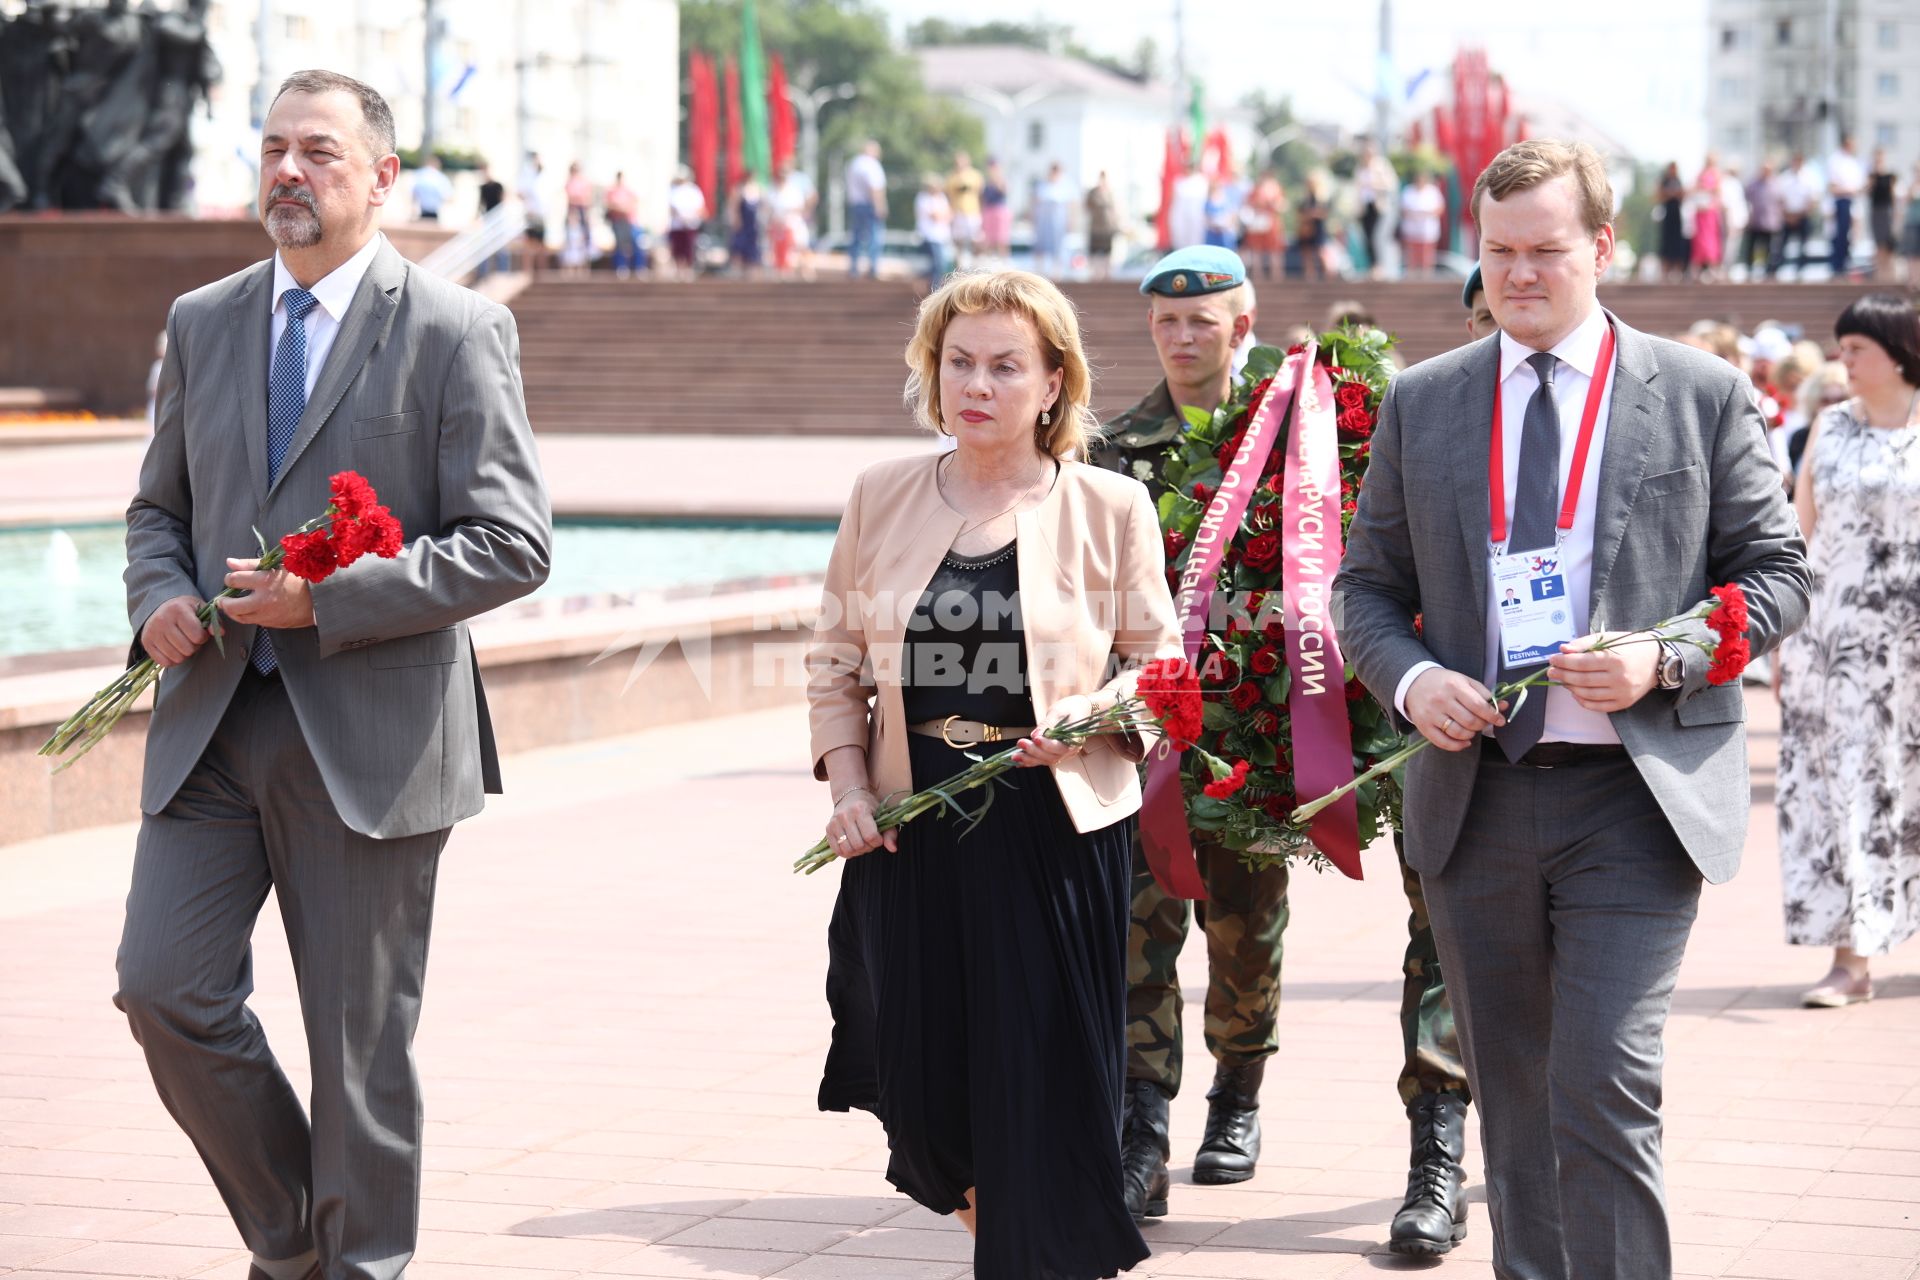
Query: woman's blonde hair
<point x="1041" y="304"/>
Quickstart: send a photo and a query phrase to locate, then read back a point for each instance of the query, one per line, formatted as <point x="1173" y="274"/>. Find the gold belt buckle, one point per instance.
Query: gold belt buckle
<point x="988" y="733"/>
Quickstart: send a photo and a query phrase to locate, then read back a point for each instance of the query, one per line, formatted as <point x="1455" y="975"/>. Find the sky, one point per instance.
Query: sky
<point x="1636" y="69"/>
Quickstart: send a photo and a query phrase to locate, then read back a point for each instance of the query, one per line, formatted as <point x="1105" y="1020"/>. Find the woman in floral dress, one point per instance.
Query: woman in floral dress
<point x="1849" y="799"/>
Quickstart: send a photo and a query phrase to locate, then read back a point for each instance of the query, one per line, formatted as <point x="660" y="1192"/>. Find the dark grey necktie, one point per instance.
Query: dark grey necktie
<point x="1535" y="499"/>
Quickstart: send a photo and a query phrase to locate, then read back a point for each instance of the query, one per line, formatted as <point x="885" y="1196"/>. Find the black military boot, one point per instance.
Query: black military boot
<point x="1434" y="1218"/>
<point x="1231" y="1146"/>
<point x="1144" y="1149"/>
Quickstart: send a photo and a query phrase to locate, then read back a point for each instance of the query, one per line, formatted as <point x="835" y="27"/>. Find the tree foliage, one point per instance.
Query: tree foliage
<point x="831" y="42"/>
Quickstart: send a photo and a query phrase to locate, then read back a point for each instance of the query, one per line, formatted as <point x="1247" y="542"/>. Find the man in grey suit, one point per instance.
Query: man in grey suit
<point x="328" y="751"/>
<point x="1563" y="844"/>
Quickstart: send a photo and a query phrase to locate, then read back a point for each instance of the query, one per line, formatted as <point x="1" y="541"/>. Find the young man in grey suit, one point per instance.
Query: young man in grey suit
<point x="328" y="751"/>
<point x="1563" y="844"/>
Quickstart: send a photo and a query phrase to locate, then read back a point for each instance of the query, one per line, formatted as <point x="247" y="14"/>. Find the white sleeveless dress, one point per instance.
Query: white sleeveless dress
<point x="1849" y="784"/>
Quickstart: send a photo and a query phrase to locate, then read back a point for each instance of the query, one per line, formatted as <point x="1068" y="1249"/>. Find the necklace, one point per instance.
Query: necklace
<point x="940" y="483"/>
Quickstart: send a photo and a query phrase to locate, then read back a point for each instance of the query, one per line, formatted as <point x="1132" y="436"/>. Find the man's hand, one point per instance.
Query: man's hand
<point x="1610" y="680"/>
<point x="278" y="600"/>
<point x="1450" y="709"/>
<point x="173" y="632"/>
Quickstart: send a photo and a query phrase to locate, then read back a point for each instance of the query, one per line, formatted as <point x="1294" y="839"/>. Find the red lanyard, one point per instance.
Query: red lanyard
<point x="1497" y="464"/>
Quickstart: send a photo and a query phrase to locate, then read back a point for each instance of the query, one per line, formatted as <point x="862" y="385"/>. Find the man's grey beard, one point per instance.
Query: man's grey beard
<point x="292" y="228"/>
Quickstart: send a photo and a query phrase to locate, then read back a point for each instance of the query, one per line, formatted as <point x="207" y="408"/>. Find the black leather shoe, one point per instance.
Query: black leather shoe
<point x="1434" y="1217"/>
<point x="1144" y="1149"/>
<point x="1231" y="1146"/>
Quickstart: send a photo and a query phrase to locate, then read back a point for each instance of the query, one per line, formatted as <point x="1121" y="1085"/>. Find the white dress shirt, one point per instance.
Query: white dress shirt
<point x="1579" y="352"/>
<point x="1845" y="174"/>
<point x="334" y="293"/>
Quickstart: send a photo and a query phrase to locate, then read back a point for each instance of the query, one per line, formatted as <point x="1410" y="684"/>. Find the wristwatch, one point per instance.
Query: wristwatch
<point x="1673" y="665"/>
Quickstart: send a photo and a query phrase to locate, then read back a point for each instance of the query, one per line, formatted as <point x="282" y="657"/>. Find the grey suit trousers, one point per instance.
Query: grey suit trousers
<point x="1561" y="919"/>
<point x="252" y="815"/>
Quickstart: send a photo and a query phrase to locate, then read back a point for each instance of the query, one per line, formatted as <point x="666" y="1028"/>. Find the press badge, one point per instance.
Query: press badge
<point x="1530" y="591"/>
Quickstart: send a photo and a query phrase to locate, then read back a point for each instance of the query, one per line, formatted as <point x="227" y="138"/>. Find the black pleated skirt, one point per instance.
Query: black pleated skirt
<point x="978" y="988"/>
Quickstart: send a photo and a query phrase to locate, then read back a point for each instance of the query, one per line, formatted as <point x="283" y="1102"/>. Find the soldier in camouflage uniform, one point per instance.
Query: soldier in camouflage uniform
<point x="1246" y="912"/>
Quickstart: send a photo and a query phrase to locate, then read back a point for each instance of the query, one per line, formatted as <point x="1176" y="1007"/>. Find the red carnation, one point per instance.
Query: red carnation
<point x="1265" y="723"/>
<point x="1201" y="494"/>
<point x="1221" y="788"/>
<point x="1351" y="395"/>
<point x="1245" y="697"/>
<point x="1730" y="660"/>
<point x="1265" y="660"/>
<point x="1171" y="691"/>
<point x="308" y="555"/>
<point x="1730" y="619"/>
<point x="352" y="496"/>
<point x="1263" y="551"/>
<point x="1296" y="348"/>
<point x="1355" y="422"/>
<point x="1260" y="390"/>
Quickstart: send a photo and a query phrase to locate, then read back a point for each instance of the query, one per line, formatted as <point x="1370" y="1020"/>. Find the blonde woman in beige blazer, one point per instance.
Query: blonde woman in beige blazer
<point x="978" y="976"/>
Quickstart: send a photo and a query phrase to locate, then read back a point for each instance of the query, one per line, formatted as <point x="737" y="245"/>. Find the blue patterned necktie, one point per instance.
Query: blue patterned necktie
<point x="286" y="401"/>
<point x="1535" y="499"/>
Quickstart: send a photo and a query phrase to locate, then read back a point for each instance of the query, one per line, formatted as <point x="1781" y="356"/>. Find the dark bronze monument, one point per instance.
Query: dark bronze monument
<point x="95" y="102"/>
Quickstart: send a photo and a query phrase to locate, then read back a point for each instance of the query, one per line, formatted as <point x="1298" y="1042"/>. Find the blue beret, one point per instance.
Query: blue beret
<point x="1201" y="268"/>
<point x="1473" y="286"/>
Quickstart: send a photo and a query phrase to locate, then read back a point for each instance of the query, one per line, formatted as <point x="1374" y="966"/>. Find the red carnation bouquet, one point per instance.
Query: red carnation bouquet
<point x="1725" y="644"/>
<point x="353" y="525"/>
<point x="1166" y="697"/>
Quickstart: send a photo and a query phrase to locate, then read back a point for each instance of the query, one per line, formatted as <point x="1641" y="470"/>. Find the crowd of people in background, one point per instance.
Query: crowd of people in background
<point x="1789" y="219"/>
<point x="1788" y="216"/>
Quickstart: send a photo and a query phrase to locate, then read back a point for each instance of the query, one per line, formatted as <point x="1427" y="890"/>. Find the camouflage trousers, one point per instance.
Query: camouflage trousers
<point x="1245" y="918"/>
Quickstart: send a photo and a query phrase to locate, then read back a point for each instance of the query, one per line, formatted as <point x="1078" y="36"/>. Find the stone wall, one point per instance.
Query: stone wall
<point x="87" y="294"/>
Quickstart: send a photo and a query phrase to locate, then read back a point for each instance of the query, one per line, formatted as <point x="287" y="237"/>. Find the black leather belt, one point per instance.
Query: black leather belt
<point x="1556" y="755"/>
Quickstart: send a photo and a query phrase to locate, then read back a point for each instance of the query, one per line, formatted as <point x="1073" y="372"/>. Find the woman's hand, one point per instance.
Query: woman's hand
<point x="851" y="831"/>
<point x="1039" y="750"/>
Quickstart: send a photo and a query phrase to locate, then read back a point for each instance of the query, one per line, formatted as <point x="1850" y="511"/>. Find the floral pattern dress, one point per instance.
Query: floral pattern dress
<point x="1849" y="800"/>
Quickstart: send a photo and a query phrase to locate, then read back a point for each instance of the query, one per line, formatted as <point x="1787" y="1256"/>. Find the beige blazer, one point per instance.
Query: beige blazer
<point x="1093" y="600"/>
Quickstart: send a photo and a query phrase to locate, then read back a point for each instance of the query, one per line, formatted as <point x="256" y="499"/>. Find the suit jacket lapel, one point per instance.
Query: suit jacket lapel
<point x="367" y="319"/>
<point x="1470" y="451"/>
<point x="250" y="320"/>
<point x="1631" y="416"/>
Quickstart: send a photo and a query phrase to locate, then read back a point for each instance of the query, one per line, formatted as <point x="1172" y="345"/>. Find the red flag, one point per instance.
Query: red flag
<point x="736" y="163"/>
<point x="779" y="113"/>
<point x="703" y="127"/>
<point x="1170" y="171"/>
<point x="1219" y="161"/>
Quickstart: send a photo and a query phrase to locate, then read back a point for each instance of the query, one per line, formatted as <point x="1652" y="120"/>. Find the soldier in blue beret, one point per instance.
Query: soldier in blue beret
<point x="1200" y="312"/>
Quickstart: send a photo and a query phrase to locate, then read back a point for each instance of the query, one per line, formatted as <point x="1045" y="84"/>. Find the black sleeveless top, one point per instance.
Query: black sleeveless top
<point x="966" y="653"/>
